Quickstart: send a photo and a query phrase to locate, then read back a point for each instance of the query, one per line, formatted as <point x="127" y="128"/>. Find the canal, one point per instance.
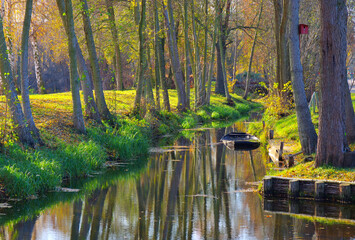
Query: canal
<point x="195" y="188"/>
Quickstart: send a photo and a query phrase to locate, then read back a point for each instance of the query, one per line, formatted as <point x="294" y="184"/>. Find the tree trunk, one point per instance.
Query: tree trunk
<point x="342" y="19"/>
<point x="213" y="50"/>
<point x="187" y="60"/>
<point x="78" y="119"/>
<point x="22" y="131"/>
<point x="199" y="88"/>
<point x="174" y="56"/>
<point x="306" y="131"/>
<point x="222" y="29"/>
<point x="142" y="65"/>
<point x="205" y="62"/>
<point x="91" y="109"/>
<point x="280" y="17"/>
<point x="247" y="82"/>
<point x="99" y="93"/>
<point x="332" y="140"/>
<point x="219" y="87"/>
<point x="114" y="32"/>
<point x="37" y="63"/>
<point x="159" y="58"/>
<point x="26" y="105"/>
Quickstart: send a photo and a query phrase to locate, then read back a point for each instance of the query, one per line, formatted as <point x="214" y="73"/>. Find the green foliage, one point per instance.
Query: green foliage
<point x="189" y="122"/>
<point x="79" y="160"/>
<point x="25" y="173"/>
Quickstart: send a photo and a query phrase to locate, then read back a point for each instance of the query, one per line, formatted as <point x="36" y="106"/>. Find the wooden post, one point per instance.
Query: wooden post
<point x="319" y="190"/>
<point x="271" y="134"/>
<point x="281" y="151"/>
<point x="294" y="188"/>
<point x="291" y="161"/>
<point x="345" y="192"/>
<point x="294" y="207"/>
<point x="268" y="191"/>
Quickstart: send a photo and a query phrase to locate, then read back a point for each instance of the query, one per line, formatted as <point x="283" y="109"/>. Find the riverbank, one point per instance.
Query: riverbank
<point x="285" y="130"/>
<point x="26" y="172"/>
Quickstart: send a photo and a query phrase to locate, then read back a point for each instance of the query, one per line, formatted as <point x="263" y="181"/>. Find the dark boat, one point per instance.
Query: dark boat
<point x="240" y="141"/>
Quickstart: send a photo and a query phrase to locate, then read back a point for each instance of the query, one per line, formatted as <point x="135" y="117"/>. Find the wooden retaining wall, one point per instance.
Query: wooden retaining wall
<point x="307" y="188"/>
<point x="332" y="211"/>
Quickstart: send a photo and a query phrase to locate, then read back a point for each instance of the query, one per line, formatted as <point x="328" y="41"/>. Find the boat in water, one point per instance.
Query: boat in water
<point x="240" y="141"/>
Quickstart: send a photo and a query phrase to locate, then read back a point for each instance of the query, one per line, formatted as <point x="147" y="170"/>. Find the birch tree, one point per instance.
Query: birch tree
<point x="22" y="131"/>
<point x="24" y="72"/>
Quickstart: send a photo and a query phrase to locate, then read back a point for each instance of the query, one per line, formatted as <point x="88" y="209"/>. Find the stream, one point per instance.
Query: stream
<point x="195" y="188"/>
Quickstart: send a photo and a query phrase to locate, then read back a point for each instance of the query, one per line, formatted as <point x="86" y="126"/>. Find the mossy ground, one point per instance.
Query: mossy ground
<point x="68" y="154"/>
<point x="285" y="129"/>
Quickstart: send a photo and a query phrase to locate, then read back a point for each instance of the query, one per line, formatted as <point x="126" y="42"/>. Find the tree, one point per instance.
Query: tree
<point x="99" y="93"/>
<point x="24" y="72"/>
<point x="332" y="141"/>
<point x="82" y="70"/>
<point x="159" y="58"/>
<point x="281" y="17"/>
<point x="78" y="119"/>
<point x="144" y="86"/>
<point x="22" y="131"/>
<point x="114" y="32"/>
<point x="223" y="31"/>
<point x="306" y="131"/>
<point x="174" y="56"/>
<point x="247" y="81"/>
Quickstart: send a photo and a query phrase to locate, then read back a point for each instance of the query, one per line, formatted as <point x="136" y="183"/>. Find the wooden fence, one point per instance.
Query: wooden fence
<point x="310" y="189"/>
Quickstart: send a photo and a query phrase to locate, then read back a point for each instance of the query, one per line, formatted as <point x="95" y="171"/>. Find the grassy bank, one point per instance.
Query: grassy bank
<point x="286" y="130"/>
<point x="68" y="155"/>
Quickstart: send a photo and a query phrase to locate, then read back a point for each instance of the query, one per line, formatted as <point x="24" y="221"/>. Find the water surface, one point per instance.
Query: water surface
<point x="194" y="189"/>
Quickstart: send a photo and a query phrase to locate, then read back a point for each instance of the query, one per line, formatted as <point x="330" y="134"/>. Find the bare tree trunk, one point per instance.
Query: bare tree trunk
<point x="199" y="91"/>
<point x="281" y="16"/>
<point x="213" y="50"/>
<point x="37" y="63"/>
<point x="187" y="60"/>
<point x="247" y="84"/>
<point x="221" y="45"/>
<point x="332" y="140"/>
<point x="114" y="32"/>
<point x="91" y="109"/>
<point x="342" y="18"/>
<point x="26" y="105"/>
<point x="306" y="131"/>
<point x="17" y="115"/>
<point x="174" y="56"/>
<point x="205" y="62"/>
<point x="142" y="65"/>
<point x="78" y="119"/>
<point x="159" y="58"/>
<point x="99" y="93"/>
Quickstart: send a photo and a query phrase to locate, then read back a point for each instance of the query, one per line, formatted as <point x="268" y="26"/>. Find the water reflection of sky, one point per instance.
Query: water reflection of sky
<point x="196" y="189"/>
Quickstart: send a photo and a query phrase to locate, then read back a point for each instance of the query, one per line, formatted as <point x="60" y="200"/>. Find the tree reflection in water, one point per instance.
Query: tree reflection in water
<point x="196" y="189"/>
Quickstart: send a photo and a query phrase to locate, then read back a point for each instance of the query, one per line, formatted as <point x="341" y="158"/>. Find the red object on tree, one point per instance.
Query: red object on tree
<point x="303" y="29"/>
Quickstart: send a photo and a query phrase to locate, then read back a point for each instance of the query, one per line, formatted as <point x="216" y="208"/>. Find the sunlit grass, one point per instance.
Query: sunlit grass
<point x="68" y="154"/>
<point x="308" y="171"/>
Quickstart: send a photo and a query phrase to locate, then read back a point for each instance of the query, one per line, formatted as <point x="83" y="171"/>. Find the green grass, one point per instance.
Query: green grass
<point x="70" y="155"/>
<point x="308" y="171"/>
